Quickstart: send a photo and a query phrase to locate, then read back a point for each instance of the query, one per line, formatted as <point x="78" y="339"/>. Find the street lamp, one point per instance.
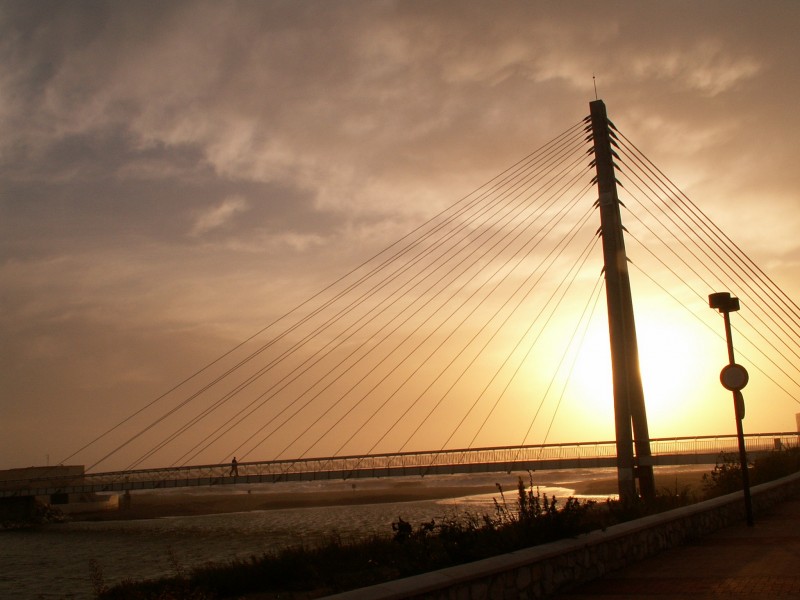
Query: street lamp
<point x="734" y="377"/>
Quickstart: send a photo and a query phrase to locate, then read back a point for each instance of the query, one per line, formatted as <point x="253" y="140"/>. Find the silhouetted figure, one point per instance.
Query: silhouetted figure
<point x="234" y="467"/>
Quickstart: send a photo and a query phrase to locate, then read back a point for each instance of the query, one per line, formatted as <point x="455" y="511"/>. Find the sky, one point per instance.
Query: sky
<point x="175" y="175"/>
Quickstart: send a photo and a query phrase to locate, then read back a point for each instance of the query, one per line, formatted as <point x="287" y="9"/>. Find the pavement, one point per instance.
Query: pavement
<point x="736" y="563"/>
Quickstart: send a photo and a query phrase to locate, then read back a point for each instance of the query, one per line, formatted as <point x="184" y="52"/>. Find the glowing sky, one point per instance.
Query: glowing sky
<point x="173" y="175"/>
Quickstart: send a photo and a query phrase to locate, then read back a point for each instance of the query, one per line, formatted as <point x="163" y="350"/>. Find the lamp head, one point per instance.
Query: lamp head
<point x="723" y="302"/>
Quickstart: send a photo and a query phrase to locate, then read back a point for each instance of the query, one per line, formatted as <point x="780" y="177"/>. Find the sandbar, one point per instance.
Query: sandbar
<point x="176" y="503"/>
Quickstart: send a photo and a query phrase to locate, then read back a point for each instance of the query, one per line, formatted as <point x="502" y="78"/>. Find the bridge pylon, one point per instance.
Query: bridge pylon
<point x="629" y="408"/>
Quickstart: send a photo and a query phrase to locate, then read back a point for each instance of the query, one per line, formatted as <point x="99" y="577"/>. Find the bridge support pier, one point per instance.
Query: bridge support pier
<point x="629" y="408"/>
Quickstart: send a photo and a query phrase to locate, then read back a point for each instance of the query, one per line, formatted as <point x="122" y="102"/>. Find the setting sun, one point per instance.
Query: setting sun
<point x="677" y="365"/>
<point x="679" y="359"/>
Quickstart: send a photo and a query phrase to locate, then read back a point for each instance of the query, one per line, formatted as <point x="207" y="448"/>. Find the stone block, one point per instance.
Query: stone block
<point x="524" y="578"/>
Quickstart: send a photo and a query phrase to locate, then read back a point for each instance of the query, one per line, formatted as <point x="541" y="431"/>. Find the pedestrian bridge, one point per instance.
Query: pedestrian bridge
<point x="697" y="450"/>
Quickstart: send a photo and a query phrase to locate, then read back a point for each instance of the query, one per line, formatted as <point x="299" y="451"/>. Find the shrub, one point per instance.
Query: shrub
<point x="727" y="474"/>
<point x="725" y="478"/>
<point x="776" y="464"/>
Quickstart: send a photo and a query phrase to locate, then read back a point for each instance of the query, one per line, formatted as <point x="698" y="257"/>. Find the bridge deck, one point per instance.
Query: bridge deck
<point x="665" y="451"/>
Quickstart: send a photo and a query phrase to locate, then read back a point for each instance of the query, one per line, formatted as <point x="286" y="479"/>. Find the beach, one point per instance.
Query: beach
<point x="190" y="502"/>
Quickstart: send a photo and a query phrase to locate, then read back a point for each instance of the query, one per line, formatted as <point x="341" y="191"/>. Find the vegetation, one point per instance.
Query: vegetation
<point x="727" y="474"/>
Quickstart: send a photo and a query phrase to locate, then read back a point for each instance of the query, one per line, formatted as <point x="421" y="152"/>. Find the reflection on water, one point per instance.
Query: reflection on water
<point x="54" y="561"/>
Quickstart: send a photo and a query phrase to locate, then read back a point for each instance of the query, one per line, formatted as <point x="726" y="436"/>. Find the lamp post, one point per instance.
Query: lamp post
<point x="734" y="378"/>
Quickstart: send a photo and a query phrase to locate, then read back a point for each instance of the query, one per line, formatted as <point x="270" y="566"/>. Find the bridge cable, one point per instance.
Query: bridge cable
<point x="395" y="244"/>
<point x="229" y="420"/>
<point x="760" y="302"/>
<point x="352" y="408"/>
<point x="725" y="240"/>
<point x="555" y="373"/>
<point x="551" y="225"/>
<point x="263" y="370"/>
<point x="293" y="310"/>
<point x="596" y="293"/>
<point x="440" y="290"/>
<point x="587" y="251"/>
<point x="716" y="333"/>
<point x="475" y="248"/>
<point x="723" y="264"/>
<point x="554" y="256"/>
<point x="533" y="272"/>
<point x="757" y="316"/>
<point x="397" y="365"/>
<point x="703" y="299"/>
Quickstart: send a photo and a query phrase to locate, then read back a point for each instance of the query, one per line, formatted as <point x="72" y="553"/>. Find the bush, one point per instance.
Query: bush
<point x="727" y="474"/>
<point x="533" y="519"/>
<point x="776" y="464"/>
<point x="725" y="478"/>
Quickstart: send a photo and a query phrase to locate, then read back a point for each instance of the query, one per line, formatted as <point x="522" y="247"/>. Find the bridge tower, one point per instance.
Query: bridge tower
<point x="629" y="409"/>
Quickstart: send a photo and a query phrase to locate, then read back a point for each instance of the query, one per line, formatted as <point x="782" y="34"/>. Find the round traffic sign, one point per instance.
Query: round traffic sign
<point x="734" y="377"/>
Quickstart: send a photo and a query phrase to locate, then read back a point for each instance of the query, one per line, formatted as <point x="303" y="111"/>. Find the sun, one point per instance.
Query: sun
<point x="678" y="366"/>
<point x="677" y="363"/>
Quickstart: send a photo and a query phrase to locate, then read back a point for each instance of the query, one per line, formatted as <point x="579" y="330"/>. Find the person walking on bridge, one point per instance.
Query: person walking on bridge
<point x="234" y="468"/>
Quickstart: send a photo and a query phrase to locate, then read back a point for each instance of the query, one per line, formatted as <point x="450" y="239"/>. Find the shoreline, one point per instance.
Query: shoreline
<point x="156" y="505"/>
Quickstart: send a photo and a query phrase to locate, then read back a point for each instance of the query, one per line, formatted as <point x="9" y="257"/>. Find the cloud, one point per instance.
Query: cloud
<point x="189" y="165"/>
<point x="707" y="66"/>
<point x="219" y="216"/>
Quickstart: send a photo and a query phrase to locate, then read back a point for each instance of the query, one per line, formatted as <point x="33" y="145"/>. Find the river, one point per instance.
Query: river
<point x="64" y="560"/>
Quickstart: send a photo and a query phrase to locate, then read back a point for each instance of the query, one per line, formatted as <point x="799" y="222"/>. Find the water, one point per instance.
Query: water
<point x="56" y="561"/>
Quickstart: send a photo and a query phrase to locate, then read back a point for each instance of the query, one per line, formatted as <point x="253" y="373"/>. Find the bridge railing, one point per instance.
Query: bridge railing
<point x="704" y="449"/>
<point x="727" y="444"/>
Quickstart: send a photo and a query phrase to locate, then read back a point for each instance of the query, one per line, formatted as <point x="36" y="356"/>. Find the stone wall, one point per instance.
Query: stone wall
<point x="540" y="571"/>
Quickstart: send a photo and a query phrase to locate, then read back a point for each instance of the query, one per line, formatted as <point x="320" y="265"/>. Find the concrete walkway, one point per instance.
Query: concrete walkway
<point x="736" y="563"/>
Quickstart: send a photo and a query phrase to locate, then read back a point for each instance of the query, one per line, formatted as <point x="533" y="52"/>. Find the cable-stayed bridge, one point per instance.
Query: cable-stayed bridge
<point x="472" y="332"/>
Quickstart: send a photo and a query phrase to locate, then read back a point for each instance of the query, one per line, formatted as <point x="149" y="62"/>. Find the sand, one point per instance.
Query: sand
<point x="153" y="505"/>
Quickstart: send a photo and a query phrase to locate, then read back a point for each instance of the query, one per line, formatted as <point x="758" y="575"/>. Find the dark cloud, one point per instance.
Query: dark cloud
<point x="92" y="199"/>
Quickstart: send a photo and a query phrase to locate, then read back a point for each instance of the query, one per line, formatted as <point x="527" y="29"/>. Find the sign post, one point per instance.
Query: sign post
<point x="734" y="378"/>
